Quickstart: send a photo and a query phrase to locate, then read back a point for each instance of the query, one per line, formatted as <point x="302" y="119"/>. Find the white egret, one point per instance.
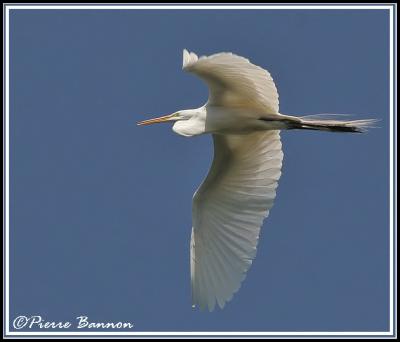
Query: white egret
<point x="242" y="114"/>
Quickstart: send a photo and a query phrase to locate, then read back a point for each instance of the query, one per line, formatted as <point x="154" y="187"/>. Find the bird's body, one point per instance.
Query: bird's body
<point x="242" y="114"/>
<point x="220" y="120"/>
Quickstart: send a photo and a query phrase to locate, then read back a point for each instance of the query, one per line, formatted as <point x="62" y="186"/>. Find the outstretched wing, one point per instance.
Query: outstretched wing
<point x="234" y="82"/>
<point x="228" y="211"/>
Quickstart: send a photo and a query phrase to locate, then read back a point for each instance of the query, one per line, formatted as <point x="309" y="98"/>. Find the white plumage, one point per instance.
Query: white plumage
<point x="234" y="82"/>
<point x="230" y="205"/>
<point x="228" y="211"/>
<point x="242" y="114"/>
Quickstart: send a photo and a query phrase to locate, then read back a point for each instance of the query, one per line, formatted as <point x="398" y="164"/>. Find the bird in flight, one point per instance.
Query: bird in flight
<point x="242" y="114"/>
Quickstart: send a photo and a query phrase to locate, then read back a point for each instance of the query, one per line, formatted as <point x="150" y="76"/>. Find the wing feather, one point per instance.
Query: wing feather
<point x="234" y="82"/>
<point x="228" y="211"/>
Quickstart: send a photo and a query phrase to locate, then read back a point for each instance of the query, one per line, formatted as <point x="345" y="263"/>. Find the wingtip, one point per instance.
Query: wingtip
<point x="189" y="58"/>
<point x="186" y="58"/>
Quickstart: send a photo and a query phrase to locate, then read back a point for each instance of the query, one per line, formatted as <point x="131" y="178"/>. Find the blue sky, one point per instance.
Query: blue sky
<point x="101" y="209"/>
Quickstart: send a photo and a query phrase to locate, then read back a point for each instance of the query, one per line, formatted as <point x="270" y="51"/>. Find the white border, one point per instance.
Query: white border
<point x="197" y="6"/>
<point x="6" y="10"/>
<point x="391" y="165"/>
<point x="7" y="170"/>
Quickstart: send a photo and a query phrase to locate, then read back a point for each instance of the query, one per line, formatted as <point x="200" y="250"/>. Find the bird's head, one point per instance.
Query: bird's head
<point x="188" y="122"/>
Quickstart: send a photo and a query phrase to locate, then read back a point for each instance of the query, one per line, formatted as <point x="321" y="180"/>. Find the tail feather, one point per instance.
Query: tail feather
<point x="353" y="126"/>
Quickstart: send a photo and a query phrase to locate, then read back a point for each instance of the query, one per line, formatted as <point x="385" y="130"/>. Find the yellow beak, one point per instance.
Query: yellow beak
<point x="155" y="120"/>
